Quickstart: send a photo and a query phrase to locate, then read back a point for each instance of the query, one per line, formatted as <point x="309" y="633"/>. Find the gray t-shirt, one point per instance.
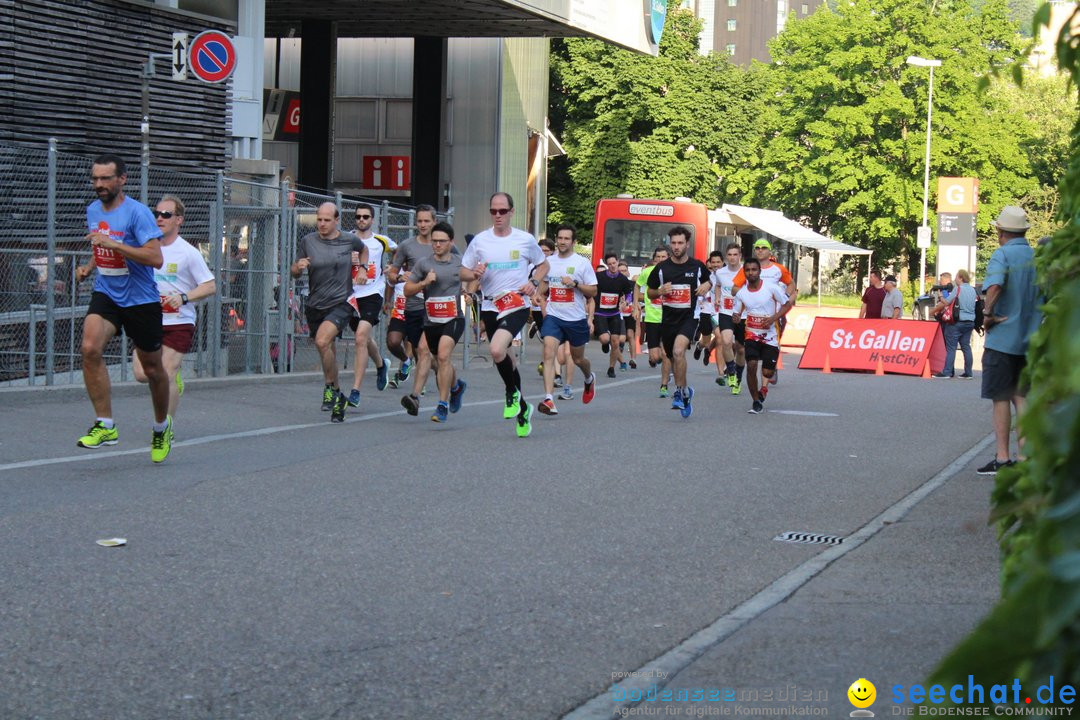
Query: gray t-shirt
<point x="893" y="299"/>
<point x="406" y="256"/>
<point x="447" y="281"/>
<point x="330" y="271"/>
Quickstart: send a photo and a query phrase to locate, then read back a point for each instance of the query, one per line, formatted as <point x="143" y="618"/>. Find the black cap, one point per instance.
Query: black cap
<point x="890" y="278"/>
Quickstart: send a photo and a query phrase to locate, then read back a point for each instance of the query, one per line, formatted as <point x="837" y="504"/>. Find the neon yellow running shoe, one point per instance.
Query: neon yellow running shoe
<point x="99" y="435"/>
<point x="161" y="443"/>
<point x="513" y="402"/>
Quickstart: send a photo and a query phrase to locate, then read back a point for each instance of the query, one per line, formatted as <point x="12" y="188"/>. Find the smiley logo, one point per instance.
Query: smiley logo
<point x="862" y="693"/>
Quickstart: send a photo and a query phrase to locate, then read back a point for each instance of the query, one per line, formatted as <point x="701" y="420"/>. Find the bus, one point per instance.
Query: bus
<point x="632" y="228"/>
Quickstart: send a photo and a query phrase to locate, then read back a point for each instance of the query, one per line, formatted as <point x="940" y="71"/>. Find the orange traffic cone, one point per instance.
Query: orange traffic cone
<point x="926" y="368"/>
<point x="827" y="369"/>
<point x="880" y="370"/>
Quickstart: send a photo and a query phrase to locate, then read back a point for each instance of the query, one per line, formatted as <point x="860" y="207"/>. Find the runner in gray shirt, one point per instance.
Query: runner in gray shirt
<point x="406" y="256"/>
<point x="437" y="283"/>
<point x="330" y="257"/>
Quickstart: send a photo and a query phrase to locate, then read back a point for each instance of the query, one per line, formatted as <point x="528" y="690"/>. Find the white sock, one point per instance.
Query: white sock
<point x="160" y="427"/>
<point x="107" y="422"/>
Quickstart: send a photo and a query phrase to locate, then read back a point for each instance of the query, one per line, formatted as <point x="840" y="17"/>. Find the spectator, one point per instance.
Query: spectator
<point x="1011" y="316"/>
<point x="959" y="332"/>
<point x="873" y="296"/>
<point x="893" y="304"/>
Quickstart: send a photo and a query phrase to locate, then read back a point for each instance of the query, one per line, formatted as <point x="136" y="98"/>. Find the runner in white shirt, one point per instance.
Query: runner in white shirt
<point x="729" y="333"/>
<point x="706" y="313"/>
<point x="762" y="304"/>
<point x="182" y="279"/>
<point x="369" y="289"/>
<point x="569" y="283"/>
<point x="509" y="264"/>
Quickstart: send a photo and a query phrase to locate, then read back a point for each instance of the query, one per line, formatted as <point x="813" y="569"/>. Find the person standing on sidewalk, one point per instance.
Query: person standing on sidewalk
<point x="183" y="279"/>
<point x="327" y="257"/>
<point x="127" y="247"/>
<point x="873" y="296"/>
<point x="679" y="281"/>
<point x="959" y="332"/>
<point x="369" y="291"/>
<point x="509" y="264"/>
<point x="1012" y="314"/>
<point x="893" y="303"/>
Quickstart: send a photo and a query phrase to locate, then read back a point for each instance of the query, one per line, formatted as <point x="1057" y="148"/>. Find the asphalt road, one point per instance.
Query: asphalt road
<point x="278" y="566"/>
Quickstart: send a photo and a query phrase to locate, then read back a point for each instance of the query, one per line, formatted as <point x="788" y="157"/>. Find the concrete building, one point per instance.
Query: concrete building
<point x="742" y="29"/>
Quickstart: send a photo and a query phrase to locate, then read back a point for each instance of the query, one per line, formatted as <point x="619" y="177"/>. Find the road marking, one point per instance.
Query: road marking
<point x="602" y="707"/>
<point x="805" y="413"/>
<point x="91" y="455"/>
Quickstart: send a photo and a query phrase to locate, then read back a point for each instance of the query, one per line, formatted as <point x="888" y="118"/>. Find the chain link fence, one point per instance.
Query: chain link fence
<point x="247" y="232"/>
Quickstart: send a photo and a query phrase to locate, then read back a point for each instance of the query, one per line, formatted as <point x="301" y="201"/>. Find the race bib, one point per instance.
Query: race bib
<point x="507" y="303"/>
<point x="757" y="322"/>
<point x="441" y="309"/>
<point x="728" y="303"/>
<point x="109" y="262"/>
<point x="560" y="294"/>
<point x="355" y="265"/>
<point x="399" y="307"/>
<point x="656" y="302"/>
<point x="679" y="297"/>
<point x="371" y="271"/>
<point x="609" y="301"/>
<point x="166" y="308"/>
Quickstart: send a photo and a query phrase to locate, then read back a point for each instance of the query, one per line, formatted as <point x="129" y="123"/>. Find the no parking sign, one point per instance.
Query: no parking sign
<point x="212" y="56"/>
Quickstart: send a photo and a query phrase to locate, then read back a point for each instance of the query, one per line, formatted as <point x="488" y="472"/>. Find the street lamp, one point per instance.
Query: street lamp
<point x="924" y="231"/>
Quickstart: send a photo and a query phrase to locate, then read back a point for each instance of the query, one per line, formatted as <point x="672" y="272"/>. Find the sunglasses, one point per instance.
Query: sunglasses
<point x="166" y="215"/>
<point x="499" y="211"/>
<point x="363" y="217"/>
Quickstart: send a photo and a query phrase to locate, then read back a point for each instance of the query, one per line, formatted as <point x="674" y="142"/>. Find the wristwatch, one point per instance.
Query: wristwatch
<point x="534" y="281"/>
<point x="183" y="299"/>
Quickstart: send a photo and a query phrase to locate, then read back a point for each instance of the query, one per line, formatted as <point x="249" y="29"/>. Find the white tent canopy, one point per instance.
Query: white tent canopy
<point x="774" y="223"/>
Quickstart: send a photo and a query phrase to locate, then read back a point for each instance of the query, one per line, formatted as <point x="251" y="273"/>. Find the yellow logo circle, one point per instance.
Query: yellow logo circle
<point x="862" y="693"/>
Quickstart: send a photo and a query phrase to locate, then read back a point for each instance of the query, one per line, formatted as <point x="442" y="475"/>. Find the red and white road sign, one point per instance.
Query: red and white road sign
<point x="212" y="56"/>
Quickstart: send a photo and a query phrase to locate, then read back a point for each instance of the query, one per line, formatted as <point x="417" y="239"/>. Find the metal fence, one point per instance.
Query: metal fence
<point x="247" y="231"/>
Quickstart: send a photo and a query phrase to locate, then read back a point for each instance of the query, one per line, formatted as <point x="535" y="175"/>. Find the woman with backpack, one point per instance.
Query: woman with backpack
<point x="958" y="328"/>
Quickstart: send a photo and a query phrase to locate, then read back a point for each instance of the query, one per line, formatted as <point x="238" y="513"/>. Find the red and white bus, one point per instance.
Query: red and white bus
<point x="632" y="228"/>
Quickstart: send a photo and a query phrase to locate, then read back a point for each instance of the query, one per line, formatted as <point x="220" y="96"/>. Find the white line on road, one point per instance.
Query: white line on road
<point x="91" y="455"/>
<point x="603" y="707"/>
<point x="806" y="413"/>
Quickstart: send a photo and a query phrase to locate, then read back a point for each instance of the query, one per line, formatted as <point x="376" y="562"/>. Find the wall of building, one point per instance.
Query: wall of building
<point x="756" y="22"/>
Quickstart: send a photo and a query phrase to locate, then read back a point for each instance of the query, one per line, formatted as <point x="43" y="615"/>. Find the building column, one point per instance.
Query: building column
<point x="318" y="80"/>
<point x="428" y="119"/>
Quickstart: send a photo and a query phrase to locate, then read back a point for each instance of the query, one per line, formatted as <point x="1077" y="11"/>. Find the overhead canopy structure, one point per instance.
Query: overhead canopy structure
<point x="774" y="223"/>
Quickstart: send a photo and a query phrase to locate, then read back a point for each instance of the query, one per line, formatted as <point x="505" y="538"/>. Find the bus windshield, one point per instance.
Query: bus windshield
<point x="634" y="240"/>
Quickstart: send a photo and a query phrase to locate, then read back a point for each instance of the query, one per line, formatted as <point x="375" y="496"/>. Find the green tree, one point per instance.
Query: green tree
<point x="843" y="143"/>
<point x="655" y="127"/>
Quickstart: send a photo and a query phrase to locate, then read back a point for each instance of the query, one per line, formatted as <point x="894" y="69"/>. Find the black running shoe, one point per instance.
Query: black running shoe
<point x="993" y="466"/>
<point x="411" y="404"/>
<point x="337" y="412"/>
<point x="328" y="398"/>
<point x="611" y="373"/>
<point x="697" y="352"/>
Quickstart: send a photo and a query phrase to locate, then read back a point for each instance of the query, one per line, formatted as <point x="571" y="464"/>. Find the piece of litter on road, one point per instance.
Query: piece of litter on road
<point x="854" y="456"/>
<point x="447" y="593"/>
<point x="658" y="625"/>
<point x="112" y="542"/>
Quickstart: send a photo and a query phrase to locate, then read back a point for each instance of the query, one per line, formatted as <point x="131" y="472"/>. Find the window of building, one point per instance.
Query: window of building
<point x="805" y="8"/>
<point x="731" y="48"/>
<point x="732" y="3"/>
<point x="731" y="25"/>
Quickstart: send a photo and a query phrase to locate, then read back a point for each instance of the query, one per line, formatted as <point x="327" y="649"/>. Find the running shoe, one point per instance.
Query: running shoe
<point x="533" y="330"/>
<point x="763" y="393"/>
<point x="688" y="409"/>
<point x="567" y="393"/>
<point x="179" y="383"/>
<point x="381" y="376"/>
<point x="663" y="391"/>
<point x="708" y="357"/>
<point x="633" y="364"/>
<point x="735" y="384"/>
<point x="510" y="410"/>
<point x="588" y="393"/>
<point x="965" y="376"/>
<point x="756" y="408"/>
<point x="354" y="398"/>
<point x="677" y="400"/>
<point x="328" y="394"/>
<point x="440" y="415"/>
<point x="540" y="369"/>
<point x="99" y="435"/>
<point x="697" y="352"/>
<point x="161" y="443"/>
<point x="623" y="366"/>
<point x="524" y="420"/>
<point x="406" y="369"/>
<point x="558" y="380"/>
<point x="605" y="347"/>
<point x="411" y="403"/>
<point x="652" y="364"/>
<point x="611" y="373"/>
<point x="337" y="413"/>
<point x="456" y="393"/>
<point x="993" y="466"/>
<point x="722" y="381"/>
<point x="547" y="407"/>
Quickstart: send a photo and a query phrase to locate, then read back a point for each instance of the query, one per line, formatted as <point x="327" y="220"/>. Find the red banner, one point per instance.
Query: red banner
<point x="901" y="346"/>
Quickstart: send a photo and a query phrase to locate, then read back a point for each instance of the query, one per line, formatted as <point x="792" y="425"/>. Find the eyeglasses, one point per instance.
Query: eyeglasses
<point x="166" y="215"/>
<point x="499" y="211"/>
<point x="363" y="217"/>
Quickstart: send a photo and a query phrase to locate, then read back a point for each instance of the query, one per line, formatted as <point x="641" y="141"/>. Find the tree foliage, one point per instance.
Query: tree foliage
<point x="844" y="138"/>
<point x="1034" y="631"/>
<point x="655" y="127"/>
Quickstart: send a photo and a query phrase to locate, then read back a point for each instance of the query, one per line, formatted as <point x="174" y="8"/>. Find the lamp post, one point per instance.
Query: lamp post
<point x="924" y="231"/>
